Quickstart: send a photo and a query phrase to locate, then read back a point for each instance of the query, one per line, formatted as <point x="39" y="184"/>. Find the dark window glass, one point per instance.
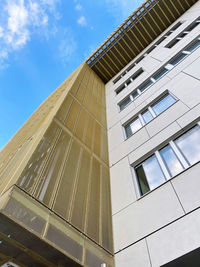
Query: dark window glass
<point x="172" y="43"/>
<point x="193" y="46"/>
<point x="145" y="85"/>
<point x="173" y="164"/>
<point x="191" y="27"/>
<point x="135" y="94"/>
<point x="128" y="82"/>
<point x="189" y="145"/>
<point x="163" y="104"/>
<point x="177" y="59"/>
<point x="160" y="41"/>
<point x="147" y="116"/>
<point x="159" y="74"/>
<point x="125" y="102"/>
<point x="121" y="88"/>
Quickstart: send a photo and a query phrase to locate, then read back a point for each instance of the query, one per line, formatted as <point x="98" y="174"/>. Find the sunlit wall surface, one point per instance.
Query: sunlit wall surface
<point x="68" y="170"/>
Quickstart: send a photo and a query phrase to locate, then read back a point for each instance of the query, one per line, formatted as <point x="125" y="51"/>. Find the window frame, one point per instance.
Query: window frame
<point x="139" y="115"/>
<point x="178" y="153"/>
<point x="167" y="66"/>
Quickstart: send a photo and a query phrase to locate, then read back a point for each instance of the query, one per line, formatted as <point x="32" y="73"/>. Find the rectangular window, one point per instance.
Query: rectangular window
<point x="169" y="161"/>
<point x="177" y="59"/>
<point x="163" y="70"/>
<point x="160" y="74"/>
<point x="193" y="46"/>
<point x="181" y="35"/>
<point x="147" y="116"/>
<point x="150" y="175"/>
<point x="146" y="85"/>
<point x="133" y="127"/>
<point x="163" y="104"/>
<point x="189" y="145"/>
<point x="129" y="81"/>
<point x="124" y="103"/>
<point x="136" y="123"/>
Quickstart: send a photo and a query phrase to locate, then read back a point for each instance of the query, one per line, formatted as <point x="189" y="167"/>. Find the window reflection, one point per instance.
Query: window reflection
<point x="163" y="104"/>
<point x="189" y="144"/>
<point x="133" y="127"/>
<point x="150" y="174"/>
<point x="173" y="164"/>
<point x="147" y="116"/>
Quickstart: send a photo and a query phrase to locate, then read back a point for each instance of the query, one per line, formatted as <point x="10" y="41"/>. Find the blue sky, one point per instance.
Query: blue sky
<point x="41" y="43"/>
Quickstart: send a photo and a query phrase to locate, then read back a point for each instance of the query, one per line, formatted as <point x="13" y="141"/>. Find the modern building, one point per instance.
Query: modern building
<point x="106" y="171"/>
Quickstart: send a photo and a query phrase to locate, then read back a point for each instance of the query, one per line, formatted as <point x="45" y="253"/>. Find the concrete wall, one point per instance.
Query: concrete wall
<point x="164" y="224"/>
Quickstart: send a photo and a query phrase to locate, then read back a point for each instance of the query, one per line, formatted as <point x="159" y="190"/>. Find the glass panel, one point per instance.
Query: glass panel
<point x="133" y="127"/>
<point x="189" y="144"/>
<point x="159" y="74"/>
<point x="177" y="59"/>
<point x="124" y="103"/>
<point x="191" y="27"/>
<point x="172" y="43"/>
<point x="147" y="116"/>
<point x="153" y="172"/>
<point x="121" y="88"/>
<point x="145" y="85"/>
<point x="149" y="175"/>
<point x="193" y="46"/>
<point x="171" y="160"/>
<point x="144" y="187"/>
<point x="163" y="104"/>
<point x="135" y="94"/>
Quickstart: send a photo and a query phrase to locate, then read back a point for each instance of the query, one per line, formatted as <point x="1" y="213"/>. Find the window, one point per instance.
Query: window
<point x="149" y="175"/>
<point x="124" y="103"/>
<point x="163" y="104"/>
<point x="151" y="112"/>
<point x="148" y="51"/>
<point x="169" y="161"/>
<point x="183" y="34"/>
<point x="129" y="80"/>
<point x="161" y="72"/>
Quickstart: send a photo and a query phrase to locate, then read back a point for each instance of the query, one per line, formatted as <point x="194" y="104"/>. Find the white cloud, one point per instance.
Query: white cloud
<point x="82" y="21"/>
<point x="121" y="9"/>
<point x="78" y="7"/>
<point x="67" y="46"/>
<point x="22" y="18"/>
<point x="1" y="32"/>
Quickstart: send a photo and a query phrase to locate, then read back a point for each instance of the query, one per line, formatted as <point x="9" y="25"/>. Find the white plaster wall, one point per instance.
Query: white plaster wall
<point x="148" y="230"/>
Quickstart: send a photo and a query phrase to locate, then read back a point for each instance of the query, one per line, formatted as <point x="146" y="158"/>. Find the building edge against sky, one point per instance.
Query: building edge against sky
<point x="60" y="155"/>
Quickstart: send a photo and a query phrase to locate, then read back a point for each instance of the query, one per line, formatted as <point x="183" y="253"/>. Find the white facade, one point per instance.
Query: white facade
<point x="163" y="224"/>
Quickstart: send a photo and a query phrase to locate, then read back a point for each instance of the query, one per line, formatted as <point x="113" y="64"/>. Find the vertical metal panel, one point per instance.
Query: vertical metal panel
<point x="79" y="205"/>
<point x="38" y="159"/>
<point x="104" y="145"/>
<point x="50" y="175"/>
<point x="89" y="131"/>
<point x="73" y="115"/>
<point x="97" y="139"/>
<point x="81" y="125"/>
<point x="63" y="111"/>
<point x="94" y="202"/>
<point x="106" y="210"/>
<point x="63" y="196"/>
<point x="81" y="92"/>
